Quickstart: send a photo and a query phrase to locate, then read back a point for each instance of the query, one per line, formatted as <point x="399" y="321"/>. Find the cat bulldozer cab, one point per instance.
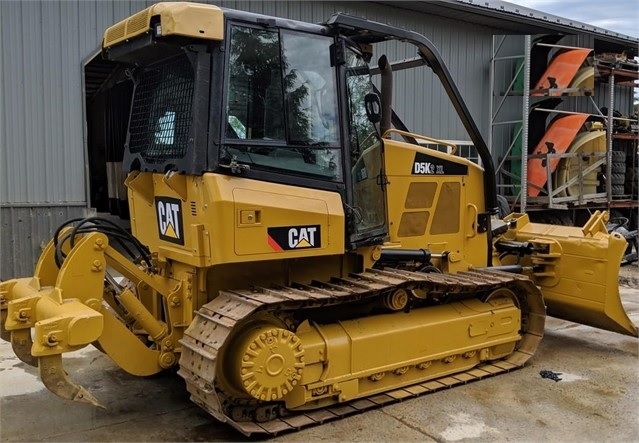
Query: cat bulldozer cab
<point x="294" y="250"/>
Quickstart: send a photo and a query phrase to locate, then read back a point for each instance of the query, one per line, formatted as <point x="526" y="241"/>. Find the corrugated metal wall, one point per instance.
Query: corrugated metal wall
<point x="42" y="158"/>
<point x="42" y="51"/>
<point x="44" y="43"/>
<point x="25" y="232"/>
<point x="42" y="137"/>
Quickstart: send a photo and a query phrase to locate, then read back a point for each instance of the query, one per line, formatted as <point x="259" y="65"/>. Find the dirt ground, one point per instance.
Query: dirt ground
<point x="595" y="401"/>
<point x="629" y="275"/>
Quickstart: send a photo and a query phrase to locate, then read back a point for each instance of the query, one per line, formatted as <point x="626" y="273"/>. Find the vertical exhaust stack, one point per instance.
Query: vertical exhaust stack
<point x="387" y="93"/>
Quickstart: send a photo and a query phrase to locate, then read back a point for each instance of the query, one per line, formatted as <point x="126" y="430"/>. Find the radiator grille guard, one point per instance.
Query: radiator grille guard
<point x="161" y="116"/>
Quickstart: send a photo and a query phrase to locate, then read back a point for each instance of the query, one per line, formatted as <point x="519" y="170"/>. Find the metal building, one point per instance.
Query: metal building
<point x="52" y="77"/>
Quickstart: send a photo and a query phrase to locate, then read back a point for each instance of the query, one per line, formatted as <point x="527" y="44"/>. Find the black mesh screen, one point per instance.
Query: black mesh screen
<point x="161" y="116"/>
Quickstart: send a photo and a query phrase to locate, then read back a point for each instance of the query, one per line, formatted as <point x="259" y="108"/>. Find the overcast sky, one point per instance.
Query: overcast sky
<point x="615" y="15"/>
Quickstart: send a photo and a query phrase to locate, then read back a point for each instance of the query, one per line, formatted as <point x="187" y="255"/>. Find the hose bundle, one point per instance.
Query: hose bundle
<point x="116" y="234"/>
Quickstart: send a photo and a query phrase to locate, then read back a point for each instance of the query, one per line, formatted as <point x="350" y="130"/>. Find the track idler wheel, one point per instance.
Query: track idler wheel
<point x="396" y="300"/>
<point x="56" y="380"/>
<point x="269" y="363"/>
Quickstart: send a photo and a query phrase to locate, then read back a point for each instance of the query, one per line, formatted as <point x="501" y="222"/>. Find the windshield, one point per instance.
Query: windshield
<point x="282" y="109"/>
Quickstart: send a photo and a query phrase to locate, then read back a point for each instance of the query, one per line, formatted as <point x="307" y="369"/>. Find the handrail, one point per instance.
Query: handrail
<point x="422" y="137"/>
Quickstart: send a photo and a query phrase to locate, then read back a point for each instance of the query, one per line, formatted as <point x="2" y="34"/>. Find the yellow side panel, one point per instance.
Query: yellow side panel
<point x="214" y="219"/>
<point x="302" y="219"/>
<point x="433" y="202"/>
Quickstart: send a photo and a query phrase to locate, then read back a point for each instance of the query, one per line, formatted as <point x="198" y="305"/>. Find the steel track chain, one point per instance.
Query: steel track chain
<point x="214" y="322"/>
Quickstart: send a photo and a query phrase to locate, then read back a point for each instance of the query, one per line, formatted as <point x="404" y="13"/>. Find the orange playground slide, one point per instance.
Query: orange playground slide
<point x="558" y="137"/>
<point x="560" y="71"/>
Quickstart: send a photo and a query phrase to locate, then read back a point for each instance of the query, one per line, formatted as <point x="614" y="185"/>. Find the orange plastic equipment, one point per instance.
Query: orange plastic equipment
<point x="558" y="137"/>
<point x="560" y="71"/>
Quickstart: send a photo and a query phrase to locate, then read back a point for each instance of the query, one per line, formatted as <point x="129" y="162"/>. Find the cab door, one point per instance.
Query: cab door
<point x="367" y="208"/>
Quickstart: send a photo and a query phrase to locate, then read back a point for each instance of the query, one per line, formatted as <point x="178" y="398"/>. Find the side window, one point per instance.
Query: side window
<point x="366" y="160"/>
<point x="255" y="108"/>
<point x="309" y="81"/>
<point x="282" y="111"/>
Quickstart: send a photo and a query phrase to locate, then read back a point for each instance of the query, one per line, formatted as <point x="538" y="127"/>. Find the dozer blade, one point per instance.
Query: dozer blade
<point x="603" y="312"/>
<point x="57" y="381"/>
<point x="578" y="271"/>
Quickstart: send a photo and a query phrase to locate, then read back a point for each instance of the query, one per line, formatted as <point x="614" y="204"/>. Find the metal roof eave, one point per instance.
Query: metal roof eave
<point x="513" y="18"/>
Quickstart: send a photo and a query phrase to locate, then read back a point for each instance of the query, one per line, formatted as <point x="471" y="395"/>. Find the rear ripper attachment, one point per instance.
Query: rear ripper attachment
<point x="269" y="360"/>
<point x="60" y="307"/>
<point x="73" y="300"/>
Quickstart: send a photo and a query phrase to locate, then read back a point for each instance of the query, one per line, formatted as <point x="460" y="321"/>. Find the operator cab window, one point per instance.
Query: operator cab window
<point x="161" y="115"/>
<point x="281" y="109"/>
<point x="366" y="162"/>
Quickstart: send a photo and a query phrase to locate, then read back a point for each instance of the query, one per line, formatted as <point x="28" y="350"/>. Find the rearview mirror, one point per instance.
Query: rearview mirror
<point x="373" y="107"/>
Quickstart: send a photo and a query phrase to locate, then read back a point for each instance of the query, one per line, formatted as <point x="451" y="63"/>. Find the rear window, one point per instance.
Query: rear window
<point x="161" y="116"/>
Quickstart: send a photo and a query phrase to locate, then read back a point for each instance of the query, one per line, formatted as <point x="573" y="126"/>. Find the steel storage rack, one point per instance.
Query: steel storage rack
<point x="562" y="124"/>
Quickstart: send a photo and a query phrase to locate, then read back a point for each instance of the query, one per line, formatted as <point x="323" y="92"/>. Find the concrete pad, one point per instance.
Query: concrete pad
<point x="596" y="400"/>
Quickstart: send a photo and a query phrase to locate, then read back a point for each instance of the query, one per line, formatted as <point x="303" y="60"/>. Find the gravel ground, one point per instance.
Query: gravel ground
<point x="629" y="275"/>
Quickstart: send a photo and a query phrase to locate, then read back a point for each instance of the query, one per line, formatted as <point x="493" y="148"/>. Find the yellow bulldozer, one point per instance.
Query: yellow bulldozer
<point x="295" y="252"/>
